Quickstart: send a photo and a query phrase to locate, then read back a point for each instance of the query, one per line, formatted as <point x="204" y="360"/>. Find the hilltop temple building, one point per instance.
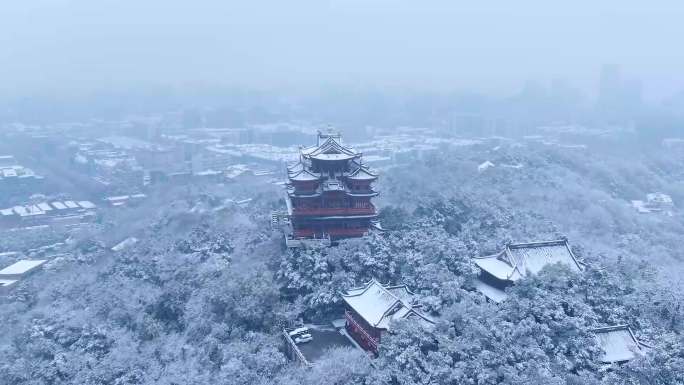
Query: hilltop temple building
<point x="503" y="269"/>
<point x="619" y="344"/>
<point x="370" y="310"/>
<point x="329" y="193"/>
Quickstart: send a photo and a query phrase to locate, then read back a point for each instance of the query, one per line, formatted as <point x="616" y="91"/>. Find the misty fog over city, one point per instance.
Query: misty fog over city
<point x="341" y="192"/>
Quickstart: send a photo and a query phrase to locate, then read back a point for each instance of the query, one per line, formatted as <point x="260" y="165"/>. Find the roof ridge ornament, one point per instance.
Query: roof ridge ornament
<point x="328" y="133"/>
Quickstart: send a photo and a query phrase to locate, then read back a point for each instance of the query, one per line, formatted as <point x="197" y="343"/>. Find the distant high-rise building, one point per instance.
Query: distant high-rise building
<point x="610" y="84"/>
<point x="618" y="96"/>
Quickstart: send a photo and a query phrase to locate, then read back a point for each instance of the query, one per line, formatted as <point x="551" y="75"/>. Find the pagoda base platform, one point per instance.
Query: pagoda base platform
<point x="307" y="242"/>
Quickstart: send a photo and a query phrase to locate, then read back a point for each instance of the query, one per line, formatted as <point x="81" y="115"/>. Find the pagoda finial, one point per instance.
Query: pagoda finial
<point x="328" y="132"/>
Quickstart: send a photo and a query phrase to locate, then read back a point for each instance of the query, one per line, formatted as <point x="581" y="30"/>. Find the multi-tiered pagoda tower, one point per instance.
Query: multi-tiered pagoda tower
<point x="329" y="192"/>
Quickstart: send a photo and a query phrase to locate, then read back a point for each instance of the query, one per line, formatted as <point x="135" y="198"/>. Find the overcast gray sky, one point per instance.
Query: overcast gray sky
<point x="494" y="46"/>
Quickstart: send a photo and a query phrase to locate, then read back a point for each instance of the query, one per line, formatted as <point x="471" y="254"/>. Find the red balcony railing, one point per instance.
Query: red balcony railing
<point x="334" y="211"/>
<point x="369" y="340"/>
<point x="356" y="232"/>
<point x="309" y="233"/>
<point x="304" y="233"/>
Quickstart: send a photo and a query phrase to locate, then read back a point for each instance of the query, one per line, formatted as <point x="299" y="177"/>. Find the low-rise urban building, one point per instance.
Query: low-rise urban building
<point x="47" y="212"/>
<point x="655" y="202"/>
<point x="21" y="269"/>
<point x="16" y="179"/>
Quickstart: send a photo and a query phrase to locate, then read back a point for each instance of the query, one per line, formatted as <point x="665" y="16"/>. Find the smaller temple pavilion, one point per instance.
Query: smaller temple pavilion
<point x="618" y="343"/>
<point x="516" y="261"/>
<point x="370" y="310"/>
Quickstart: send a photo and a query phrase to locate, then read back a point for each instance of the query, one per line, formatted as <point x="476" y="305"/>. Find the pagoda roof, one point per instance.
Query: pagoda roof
<point x="493" y="293"/>
<point x="361" y="194"/>
<point x="291" y="192"/>
<point x="350" y="216"/>
<point x="518" y="260"/>
<point x="379" y="305"/>
<point x="362" y="173"/>
<point x="329" y="156"/>
<point x="295" y="168"/>
<point x="304" y="176"/>
<point x="330" y="149"/>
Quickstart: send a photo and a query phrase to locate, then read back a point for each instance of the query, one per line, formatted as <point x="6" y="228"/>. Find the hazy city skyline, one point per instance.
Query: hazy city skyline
<point x="72" y="46"/>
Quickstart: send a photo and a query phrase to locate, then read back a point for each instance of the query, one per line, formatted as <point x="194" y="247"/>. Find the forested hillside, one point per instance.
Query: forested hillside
<point x="204" y="293"/>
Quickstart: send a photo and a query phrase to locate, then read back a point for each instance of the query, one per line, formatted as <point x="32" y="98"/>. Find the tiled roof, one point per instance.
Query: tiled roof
<point x="618" y="343"/>
<point x="518" y="260"/>
<point x="362" y="173"/>
<point x="379" y="304"/>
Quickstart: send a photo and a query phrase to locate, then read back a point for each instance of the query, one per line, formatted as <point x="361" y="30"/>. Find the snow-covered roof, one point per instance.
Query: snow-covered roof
<point x="22" y="267"/>
<point x="330" y="149"/>
<point x="498" y="268"/>
<point x="71" y="204"/>
<point x="362" y="173"/>
<point x="518" y="260"/>
<point x="118" y="198"/>
<point x="27" y="211"/>
<point x="328" y="217"/>
<point x="32" y="210"/>
<point x="641" y="206"/>
<point x="58" y="205"/>
<point x="495" y="294"/>
<point x="20" y="210"/>
<point x="44" y="206"/>
<point x="618" y="343"/>
<point x="379" y="305"/>
<point x="5" y="283"/>
<point x="333" y="156"/>
<point x="303" y="176"/>
<point x="126" y="243"/>
<point x="659" y="197"/>
<point x="484" y="166"/>
<point x="295" y="168"/>
<point x="87" y="204"/>
<point x="209" y="172"/>
<point x="292" y="192"/>
<point x="353" y="193"/>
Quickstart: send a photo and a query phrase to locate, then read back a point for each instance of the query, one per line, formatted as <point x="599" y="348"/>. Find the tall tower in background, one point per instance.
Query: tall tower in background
<point x="618" y="96"/>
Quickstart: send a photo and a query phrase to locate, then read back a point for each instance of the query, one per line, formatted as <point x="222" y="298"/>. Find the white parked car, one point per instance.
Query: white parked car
<point x="298" y="331"/>
<point x="302" y="338"/>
